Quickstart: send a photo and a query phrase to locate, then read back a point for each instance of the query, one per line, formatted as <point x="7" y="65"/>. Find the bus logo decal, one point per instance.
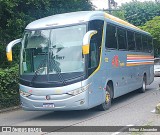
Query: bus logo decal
<point x="47" y="97"/>
<point x="115" y="61"/>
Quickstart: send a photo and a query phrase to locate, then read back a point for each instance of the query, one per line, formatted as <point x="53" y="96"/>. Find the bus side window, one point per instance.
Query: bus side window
<point x="93" y="54"/>
<point x="95" y="44"/>
<point x="138" y="42"/>
<point x="131" y="40"/>
<point x="111" y="41"/>
<point x="145" y="43"/>
<point x="150" y="45"/>
<point x="121" y="33"/>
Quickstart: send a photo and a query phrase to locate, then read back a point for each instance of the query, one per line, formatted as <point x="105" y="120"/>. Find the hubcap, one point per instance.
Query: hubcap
<point x="107" y="97"/>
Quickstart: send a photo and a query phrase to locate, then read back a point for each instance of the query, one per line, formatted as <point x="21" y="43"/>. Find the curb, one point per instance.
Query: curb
<point x="10" y="109"/>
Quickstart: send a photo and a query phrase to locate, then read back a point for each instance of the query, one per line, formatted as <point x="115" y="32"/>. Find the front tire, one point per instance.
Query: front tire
<point x="108" y="98"/>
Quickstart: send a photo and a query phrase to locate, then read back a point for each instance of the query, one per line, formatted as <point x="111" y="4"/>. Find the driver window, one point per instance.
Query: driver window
<point x="95" y="44"/>
<point x="93" y="55"/>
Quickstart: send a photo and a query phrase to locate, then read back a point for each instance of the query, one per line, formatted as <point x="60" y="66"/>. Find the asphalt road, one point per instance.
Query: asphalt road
<point x="135" y="109"/>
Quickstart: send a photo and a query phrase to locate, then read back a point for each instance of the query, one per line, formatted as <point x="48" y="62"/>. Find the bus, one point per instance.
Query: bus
<point x="81" y="60"/>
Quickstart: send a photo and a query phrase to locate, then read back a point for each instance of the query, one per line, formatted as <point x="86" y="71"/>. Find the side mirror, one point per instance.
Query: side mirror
<point x="86" y="41"/>
<point x="9" y="48"/>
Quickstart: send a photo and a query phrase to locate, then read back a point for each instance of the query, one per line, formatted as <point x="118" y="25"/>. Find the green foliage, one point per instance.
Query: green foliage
<point x="153" y="27"/>
<point x="119" y="14"/>
<point x="9" y="87"/>
<point x="3" y="59"/>
<point x="138" y="13"/>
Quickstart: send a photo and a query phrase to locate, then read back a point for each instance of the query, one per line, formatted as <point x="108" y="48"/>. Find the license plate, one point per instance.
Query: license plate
<point x="48" y="105"/>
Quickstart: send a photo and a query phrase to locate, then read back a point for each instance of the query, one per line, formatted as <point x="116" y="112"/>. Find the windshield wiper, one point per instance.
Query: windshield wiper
<point x="58" y="70"/>
<point x="41" y="65"/>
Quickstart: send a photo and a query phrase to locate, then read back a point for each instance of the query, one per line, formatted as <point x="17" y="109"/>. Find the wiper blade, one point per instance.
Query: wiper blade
<point x="58" y="70"/>
<point x="41" y="65"/>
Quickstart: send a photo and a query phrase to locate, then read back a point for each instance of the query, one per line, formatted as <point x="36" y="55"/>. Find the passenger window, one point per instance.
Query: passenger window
<point x="121" y="33"/>
<point x="150" y="45"/>
<point x="111" y="41"/>
<point x="138" y="42"/>
<point x="95" y="44"/>
<point x="145" y="43"/>
<point x="131" y="40"/>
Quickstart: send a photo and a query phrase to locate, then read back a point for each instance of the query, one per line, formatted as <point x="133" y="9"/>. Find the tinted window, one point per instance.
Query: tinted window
<point x="93" y="55"/>
<point x="95" y="44"/>
<point x="150" y="44"/>
<point x="131" y="41"/>
<point x="121" y="33"/>
<point x="138" y="42"/>
<point x="145" y="43"/>
<point x="111" y="41"/>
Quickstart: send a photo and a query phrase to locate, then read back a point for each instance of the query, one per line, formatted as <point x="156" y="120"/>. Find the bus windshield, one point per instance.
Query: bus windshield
<point x="53" y="51"/>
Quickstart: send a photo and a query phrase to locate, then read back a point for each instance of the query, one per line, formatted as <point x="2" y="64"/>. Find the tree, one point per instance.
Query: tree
<point x="119" y="14"/>
<point x="138" y="13"/>
<point x="153" y="27"/>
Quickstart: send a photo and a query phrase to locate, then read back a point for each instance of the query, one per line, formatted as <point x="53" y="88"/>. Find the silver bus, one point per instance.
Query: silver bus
<point x="81" y="60"/>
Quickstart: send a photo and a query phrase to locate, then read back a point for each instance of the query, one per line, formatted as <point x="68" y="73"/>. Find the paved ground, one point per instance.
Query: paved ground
<point x="136" y="109"/>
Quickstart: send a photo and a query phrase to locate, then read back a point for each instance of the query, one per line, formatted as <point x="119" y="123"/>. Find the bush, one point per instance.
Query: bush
<point x="9" y="93"/>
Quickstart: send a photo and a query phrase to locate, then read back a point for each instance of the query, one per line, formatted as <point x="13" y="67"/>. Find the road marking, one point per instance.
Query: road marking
<point x="153" y="111"/>
<point x="122" y="129"/>
<point x="116" y="133"/>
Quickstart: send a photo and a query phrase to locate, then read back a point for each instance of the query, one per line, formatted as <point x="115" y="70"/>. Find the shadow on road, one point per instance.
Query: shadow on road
<point x="128" y="96"/>
<point x="67" y="115"/>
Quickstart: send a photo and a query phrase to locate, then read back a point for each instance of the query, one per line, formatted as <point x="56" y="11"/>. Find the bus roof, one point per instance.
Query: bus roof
<point x="77" y="17"/>
<point x="64" y="19"/>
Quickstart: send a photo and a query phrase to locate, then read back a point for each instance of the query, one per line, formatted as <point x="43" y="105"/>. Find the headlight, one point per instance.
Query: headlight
<point x="79" y="90"/>
<point x="25" y="94"/>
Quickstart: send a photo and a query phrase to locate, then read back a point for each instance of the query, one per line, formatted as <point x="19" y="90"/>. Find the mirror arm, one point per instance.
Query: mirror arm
<point x="9" y="48"/>
<point x="86" y="41"/>
<point x="88" y="36"/>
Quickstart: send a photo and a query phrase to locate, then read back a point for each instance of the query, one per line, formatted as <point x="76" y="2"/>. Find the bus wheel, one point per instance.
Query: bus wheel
<point x="143" y="88"/>
<point x="107" y="104"/>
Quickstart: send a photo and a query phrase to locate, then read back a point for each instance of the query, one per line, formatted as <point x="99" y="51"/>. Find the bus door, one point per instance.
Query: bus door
<point x="94" y="71"/>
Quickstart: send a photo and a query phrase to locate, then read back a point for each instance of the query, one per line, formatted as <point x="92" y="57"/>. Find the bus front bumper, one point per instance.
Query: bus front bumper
<point x="78" y="102"/>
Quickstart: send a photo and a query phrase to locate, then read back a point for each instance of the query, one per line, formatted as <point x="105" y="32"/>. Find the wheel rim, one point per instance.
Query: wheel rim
<point x="108" y="97"/>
